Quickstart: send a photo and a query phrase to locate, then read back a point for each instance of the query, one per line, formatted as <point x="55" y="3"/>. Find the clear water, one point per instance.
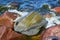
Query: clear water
<point x="35" y="4"/>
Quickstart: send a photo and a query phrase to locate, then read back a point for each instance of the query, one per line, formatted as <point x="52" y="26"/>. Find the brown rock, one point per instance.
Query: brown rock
<point x="11" y="15"/>
<point x="52" y="31"/>
<point x="7" y="18"/>
<point x="6" y="22"/>
<point x="8" y="34"/>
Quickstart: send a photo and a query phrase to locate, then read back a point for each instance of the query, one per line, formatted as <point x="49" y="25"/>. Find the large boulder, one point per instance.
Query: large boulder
<point x="6" y="22"/>
<point x="8" y="34"/>
<point x="51" y="33"/>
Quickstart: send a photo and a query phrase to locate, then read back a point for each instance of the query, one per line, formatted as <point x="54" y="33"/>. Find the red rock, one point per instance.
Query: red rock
<point x="11" y="35"/>
<point x="11" y="15"/>
<point x="6" y="25"/>
<point x="56" y="9"/>
<point x="6" y="22"/>
<point x="7" y="18"/>
<point x="3" y="31"/>
<point x="52" y="31"/>
<point x="8" y="34"/>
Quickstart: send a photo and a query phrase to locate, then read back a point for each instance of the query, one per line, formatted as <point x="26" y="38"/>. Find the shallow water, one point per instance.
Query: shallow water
<point x="33" y="4"/>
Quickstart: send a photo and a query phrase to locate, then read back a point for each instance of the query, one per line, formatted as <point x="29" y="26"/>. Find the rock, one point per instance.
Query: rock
<point x="11" y="15"/>
<point x="56" y="9"/>
<point x="31" y="24"/>
<point x="50" y="33"/>
<point x="5" y="21"/>
<point x="8" y="34"/>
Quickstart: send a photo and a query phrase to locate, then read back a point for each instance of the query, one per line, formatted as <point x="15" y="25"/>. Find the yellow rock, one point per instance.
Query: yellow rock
<point x="37" y="37"/>
<point x="30" y="19"/>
